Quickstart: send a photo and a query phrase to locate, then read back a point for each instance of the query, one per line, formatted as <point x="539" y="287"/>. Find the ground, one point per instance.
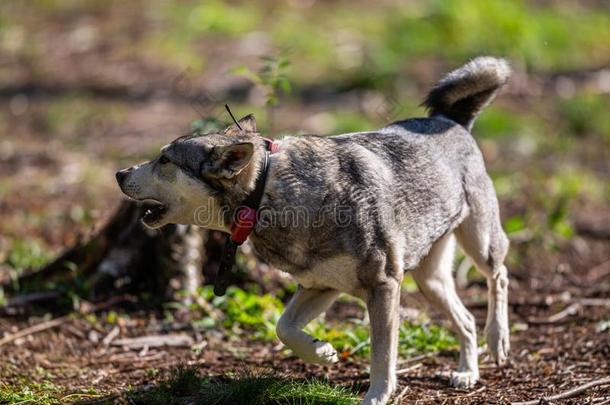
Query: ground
<point x="89" y="87"/>
<point x="548" y="356"/>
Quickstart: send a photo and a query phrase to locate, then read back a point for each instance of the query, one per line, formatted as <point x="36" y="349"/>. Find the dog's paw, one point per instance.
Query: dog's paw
<point x="324" y="353"/>
<point x="376" y="397"/>
<point x="498" y="343"/>
<point x="319" y="352"/>
<point x="463" y="379"/>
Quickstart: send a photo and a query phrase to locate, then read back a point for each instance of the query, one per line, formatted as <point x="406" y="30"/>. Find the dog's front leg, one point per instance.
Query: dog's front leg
<point x="383" y="305"/>
<point x="305" y="305"/>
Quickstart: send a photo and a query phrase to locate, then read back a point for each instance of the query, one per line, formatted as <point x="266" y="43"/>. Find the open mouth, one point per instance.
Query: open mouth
<point x="153" y="211"/>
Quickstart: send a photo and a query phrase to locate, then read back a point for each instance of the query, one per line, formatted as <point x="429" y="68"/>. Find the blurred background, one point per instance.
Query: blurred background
<point x="91" y="86"/>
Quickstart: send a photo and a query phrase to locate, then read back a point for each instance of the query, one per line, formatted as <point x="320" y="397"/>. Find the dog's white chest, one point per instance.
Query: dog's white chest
<point x="338" y="273"/>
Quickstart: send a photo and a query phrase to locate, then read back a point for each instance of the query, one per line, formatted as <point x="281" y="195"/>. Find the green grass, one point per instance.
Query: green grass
<point x="43" y="393"/>
<point x="187" y="386"/>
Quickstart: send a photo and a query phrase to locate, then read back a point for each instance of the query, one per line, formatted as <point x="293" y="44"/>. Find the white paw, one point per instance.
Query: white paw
<point x="323" y="353"/>
<point x="376" y="398"/>
<point x="498" y="343"/>
<point x="463" y="379"/>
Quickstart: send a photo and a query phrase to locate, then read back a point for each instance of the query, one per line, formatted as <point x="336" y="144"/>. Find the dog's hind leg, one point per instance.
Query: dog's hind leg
<point x="481" y="237"/>
<point x="305" y="305"/>
<point x="435" y="279"/>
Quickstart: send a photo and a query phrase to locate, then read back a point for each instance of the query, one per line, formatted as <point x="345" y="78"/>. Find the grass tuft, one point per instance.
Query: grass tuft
<point x="188" y="387"/>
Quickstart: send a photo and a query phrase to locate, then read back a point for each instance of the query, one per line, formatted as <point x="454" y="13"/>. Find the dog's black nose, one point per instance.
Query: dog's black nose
<point x="121" y="174"/>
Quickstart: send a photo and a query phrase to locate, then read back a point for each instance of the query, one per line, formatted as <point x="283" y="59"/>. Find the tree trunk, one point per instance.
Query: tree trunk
<point x="126" y="257"/>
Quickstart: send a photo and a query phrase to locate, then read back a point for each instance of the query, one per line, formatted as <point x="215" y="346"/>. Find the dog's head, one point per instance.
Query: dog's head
<point x="190" y="179"/>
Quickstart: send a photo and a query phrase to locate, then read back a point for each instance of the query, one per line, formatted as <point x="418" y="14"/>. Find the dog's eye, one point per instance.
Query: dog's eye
<point x="163" y="160"/>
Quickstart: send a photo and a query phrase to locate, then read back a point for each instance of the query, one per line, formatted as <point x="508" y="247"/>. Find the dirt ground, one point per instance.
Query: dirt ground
<point x="551" y="353"/>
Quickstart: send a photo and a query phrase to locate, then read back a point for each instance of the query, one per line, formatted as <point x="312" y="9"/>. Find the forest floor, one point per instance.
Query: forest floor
<point x="559" y="342"/>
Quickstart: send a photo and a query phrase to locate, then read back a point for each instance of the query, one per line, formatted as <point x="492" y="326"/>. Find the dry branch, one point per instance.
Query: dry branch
<point x="406" y="370"/>
<point x="39" y="327"/>
<point x="567" y="394"/>
<point x="141" y="342"/>
<point x="401" y="395"/>
<point x="42" y="326"/>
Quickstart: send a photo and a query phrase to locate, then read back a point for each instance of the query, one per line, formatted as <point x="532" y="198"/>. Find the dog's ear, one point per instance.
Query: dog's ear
<point x="228" y="161"/>
<point x="247" y="124"/>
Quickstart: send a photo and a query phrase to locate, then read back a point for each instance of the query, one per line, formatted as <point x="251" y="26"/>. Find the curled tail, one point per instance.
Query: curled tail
<point x="463" y="93"/>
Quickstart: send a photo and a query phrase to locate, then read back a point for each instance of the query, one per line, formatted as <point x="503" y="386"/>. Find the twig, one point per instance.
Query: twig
<point x="34" y="329"/>
<point x="571" y="309"/>
<point x="418" y="358"/>
<point x="111" y="335"/>
<point x="603" y="273"/>
<point x="564" y="313"/>
<point x="173" y="340"/>
<point x="402" y="394"/>
<point x="475" y="392"/>
<point x="406" y="370"/>
<point x="567" y="394"/>
<point x="58" y="321"/>
<point x="72" y="396"/>
<point x="595" y="302"/>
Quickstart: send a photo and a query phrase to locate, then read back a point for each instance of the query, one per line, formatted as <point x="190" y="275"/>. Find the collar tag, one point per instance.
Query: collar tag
<point x="272" y="147"/>
<point x="245" y="219"/>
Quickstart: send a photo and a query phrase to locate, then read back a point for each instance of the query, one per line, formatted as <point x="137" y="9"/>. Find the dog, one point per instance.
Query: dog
<point x="352" y="213"/>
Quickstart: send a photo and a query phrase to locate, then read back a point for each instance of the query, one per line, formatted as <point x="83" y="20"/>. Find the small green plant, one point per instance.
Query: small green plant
<point x="558" y="221"/>
<point x="21" y="255"/>
<point x="353" y="339"/>
<point x="427" y="338"/>
<point x="250" y="314"/>
<point x="243" y="311"/>
<point x="26" y="254"/>
<point x="272" y="78"/>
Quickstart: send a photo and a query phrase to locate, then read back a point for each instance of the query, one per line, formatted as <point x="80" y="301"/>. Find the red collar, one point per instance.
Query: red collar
<point x="245" y="220"/>
<point x="246" y="215"/>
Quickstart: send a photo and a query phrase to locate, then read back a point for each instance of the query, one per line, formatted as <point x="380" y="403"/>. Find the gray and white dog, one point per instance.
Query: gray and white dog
<point x="352" y="213"/>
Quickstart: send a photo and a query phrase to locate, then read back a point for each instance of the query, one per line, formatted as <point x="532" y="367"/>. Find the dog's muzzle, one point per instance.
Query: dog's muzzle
<point x="121" y="175"/>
